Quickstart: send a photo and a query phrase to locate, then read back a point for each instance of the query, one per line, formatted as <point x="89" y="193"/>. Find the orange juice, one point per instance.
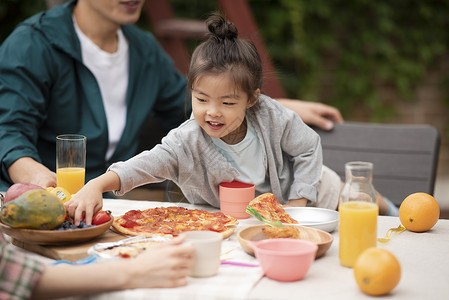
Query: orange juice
<point x="358" y="229"/>
<point x="71" y="179"/>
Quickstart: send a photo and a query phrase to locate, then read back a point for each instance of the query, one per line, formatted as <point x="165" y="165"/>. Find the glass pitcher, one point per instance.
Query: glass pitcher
<point x="358" y="212"/>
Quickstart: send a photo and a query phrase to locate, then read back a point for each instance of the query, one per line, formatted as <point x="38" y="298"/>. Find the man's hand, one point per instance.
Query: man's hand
<point x="313" y="113"/>
<point x="28" y="170"/>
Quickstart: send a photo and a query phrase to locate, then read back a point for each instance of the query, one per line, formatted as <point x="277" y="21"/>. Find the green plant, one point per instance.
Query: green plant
<point x="340" y="52"/>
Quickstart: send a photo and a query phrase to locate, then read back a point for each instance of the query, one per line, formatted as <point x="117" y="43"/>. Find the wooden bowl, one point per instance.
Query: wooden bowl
<point x="55" y="237"/>
<point x="254" y="233"/>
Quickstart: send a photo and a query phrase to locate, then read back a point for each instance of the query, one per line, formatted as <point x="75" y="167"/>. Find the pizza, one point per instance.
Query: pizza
<point x="286" y="232"/>
<point x="172" y="221"/>
<point x="129" y="250"/>
<point x="269" y="207"/>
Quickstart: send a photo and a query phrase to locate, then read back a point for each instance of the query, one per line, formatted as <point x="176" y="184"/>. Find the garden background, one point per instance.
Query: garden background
<point x="377" y="61"/>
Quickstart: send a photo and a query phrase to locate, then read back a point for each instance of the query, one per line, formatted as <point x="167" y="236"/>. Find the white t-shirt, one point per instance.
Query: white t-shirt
<point x="247" y="158"/>
<point x="111" y="72"/>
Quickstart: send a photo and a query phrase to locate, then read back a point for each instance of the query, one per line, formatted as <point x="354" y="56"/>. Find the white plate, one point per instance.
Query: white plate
<point x="96" y="250"/>
<point x="319" y="218"/>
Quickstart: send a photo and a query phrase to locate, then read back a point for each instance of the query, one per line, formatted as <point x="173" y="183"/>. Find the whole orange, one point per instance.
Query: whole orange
<point x="419" y="212"/>
<point x="377" y="271"/>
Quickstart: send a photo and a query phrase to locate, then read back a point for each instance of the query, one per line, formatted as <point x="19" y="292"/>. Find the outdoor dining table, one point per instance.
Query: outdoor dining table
<point x="424" y="259"/>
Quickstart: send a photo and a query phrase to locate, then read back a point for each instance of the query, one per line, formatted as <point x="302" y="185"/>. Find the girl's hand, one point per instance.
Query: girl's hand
<point x="296" y="203"/>
<point x="89" y="199"/>
<point x="85" y="203"/>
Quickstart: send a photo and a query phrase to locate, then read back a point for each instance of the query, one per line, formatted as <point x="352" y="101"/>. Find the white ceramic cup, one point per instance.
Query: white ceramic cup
<point x="207" y="252"/>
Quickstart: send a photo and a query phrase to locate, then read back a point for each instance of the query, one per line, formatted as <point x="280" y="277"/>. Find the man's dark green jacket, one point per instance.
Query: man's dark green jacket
<point x="46" y="90"/>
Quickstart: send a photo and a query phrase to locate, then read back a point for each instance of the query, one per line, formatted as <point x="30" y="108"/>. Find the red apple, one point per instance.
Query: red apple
<point x="18" y="189"/>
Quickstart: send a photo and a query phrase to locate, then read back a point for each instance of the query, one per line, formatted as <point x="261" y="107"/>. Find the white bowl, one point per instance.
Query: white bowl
<point x="315" y="217"/>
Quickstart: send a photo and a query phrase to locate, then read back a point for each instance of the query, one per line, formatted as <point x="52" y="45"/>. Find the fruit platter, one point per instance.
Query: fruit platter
<point x="34" y="215"/>
<point x="56" y="237"/>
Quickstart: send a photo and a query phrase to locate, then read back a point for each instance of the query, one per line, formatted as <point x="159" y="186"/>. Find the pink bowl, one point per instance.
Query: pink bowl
<point x="284" y="259"/>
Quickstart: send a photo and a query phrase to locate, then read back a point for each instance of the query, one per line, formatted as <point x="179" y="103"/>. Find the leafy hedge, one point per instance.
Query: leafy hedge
<point x="337" y="51"/>
<point x="341" y="51"/>
<point x="354" y="46"/>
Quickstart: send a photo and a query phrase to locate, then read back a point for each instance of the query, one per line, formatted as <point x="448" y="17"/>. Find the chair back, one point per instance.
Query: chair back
<point x="405" y="157"/>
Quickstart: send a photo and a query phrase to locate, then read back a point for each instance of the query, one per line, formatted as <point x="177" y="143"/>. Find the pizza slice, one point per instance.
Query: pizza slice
<point x="130" y="250"/>
<point x="269" y="208"/>
<point x="286" y="232"/>
<point x="127" y="248"/>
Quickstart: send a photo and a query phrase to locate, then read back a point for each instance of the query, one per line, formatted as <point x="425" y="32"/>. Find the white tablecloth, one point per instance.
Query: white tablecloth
<point x="424" y="259"/>
<point x="231" y="282"/>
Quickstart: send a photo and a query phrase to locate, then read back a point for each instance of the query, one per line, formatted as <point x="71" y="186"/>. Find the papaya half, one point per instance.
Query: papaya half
<point x="35" y="209"/>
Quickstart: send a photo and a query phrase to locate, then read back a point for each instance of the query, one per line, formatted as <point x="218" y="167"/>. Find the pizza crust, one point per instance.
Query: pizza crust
<point x="233" y="222"/>
<point x="227" y="233"/>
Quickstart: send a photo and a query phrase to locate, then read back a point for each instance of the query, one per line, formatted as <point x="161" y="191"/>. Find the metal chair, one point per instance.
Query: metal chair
<point x="405" y="157"/>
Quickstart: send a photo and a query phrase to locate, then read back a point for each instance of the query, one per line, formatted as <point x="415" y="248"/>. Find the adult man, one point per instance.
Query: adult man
<point x="84" y="68"/>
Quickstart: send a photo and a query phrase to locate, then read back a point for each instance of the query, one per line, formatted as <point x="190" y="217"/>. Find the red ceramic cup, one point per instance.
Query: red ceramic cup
<point x="234" y="198"/>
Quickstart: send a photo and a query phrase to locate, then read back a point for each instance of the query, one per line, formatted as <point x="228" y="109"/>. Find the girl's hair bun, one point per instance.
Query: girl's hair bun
<point x="223" y="51"/>
<point x="221" y="29"/>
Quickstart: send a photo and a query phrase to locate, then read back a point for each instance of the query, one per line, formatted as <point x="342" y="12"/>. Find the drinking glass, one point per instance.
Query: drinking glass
<point x="70" y="161"/>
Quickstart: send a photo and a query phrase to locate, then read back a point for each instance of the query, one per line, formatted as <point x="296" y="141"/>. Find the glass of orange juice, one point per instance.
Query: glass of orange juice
<point x="70" y="161"/>
<point x="358" y="212"/>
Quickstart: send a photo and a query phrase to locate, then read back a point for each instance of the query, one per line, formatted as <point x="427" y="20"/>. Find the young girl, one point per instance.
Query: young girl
<point x="236" y="133"/>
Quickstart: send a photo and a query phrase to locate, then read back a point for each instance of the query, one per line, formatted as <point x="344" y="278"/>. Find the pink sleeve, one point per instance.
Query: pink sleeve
<point x="19" y="272"/>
